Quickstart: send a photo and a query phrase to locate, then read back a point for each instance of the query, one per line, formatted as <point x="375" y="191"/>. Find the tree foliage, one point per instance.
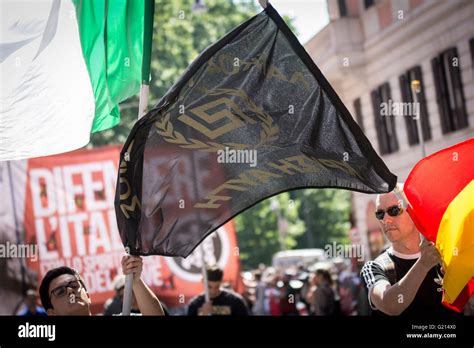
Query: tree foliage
<point x="326" y="215"/>
<point x="316" y="217"/>
<point x="260" y="235"/>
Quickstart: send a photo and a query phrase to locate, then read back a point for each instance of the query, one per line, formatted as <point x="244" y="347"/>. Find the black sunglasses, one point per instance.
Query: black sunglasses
<point x="60" y="291"/>
<point x="394" y="210"/>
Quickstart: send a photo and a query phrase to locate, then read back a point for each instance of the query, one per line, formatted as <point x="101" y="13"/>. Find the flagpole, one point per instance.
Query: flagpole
<point x="146" y="61"/>
<point x="142" y="104"/>
<point x="204" y="275"/>
<point x="142" y="110"/>
<point x="416" y="88"/>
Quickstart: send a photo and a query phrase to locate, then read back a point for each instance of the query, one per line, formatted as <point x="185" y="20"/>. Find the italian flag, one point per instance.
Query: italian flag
<point x="66" y="65"/>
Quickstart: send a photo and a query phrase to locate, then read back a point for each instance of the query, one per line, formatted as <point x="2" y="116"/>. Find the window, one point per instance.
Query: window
<point x="368" y="3"/>
<point x="384" y="124"/>
<point x="449" y="92"/>
<point x="358" y="114"/>
<point x="407" y="96"/>
<point x="342" y="8"/>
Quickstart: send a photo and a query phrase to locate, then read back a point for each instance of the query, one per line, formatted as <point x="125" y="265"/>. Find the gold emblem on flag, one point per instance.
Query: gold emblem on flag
<point x="206" y="118"/>
<point x="228" y="109"/>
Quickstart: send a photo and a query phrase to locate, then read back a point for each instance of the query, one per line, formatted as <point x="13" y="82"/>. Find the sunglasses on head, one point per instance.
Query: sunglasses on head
<point x="60" y="291"/>
<point x="394" y="210"/>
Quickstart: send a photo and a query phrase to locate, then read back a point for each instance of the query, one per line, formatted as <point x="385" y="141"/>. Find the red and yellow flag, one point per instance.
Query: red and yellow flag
<point x="440" y="189"/>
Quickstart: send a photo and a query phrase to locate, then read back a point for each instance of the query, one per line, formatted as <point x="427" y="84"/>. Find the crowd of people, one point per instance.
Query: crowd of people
<point x="332" y="289"/>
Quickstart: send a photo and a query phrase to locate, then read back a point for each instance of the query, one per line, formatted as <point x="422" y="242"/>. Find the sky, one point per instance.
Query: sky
<point x="309" y="16"/>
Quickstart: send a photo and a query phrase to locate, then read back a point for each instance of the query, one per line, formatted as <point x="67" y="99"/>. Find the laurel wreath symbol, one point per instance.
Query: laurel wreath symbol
<point x="269" y="132"/>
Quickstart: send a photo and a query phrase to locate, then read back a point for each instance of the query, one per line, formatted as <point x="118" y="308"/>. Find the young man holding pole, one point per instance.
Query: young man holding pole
<point x="63" y="292"/>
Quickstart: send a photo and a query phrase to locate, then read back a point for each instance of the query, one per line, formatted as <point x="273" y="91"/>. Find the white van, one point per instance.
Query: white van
<point x="305" y="257"/>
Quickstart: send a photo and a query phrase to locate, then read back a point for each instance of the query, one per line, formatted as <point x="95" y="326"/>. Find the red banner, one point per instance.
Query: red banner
<point x="70" y="216"/>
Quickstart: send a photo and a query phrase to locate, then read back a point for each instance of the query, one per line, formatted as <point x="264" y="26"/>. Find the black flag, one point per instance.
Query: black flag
<point x="251" y="117"/>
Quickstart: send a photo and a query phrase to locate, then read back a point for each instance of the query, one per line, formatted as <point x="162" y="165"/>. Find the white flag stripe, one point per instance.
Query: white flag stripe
<point x="47" y="103"/>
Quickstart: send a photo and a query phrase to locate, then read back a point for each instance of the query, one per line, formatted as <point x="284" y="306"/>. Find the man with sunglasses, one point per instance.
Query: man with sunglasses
<point x="406" y="278"/>
<point x="63" y="292"/>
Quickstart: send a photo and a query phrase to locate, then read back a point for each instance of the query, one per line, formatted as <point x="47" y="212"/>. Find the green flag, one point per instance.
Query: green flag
<point x="112" y="40"/>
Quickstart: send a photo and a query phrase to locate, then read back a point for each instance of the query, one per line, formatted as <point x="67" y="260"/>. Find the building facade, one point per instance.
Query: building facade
<point x="370" y="51"/>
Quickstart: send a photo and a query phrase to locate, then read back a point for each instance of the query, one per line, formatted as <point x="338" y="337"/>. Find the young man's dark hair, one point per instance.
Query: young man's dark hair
<point x="49" y="277"/>
<point x="214" y="274"/>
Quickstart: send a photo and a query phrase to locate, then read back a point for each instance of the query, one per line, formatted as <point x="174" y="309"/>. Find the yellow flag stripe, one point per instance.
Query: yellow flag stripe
<point x="455" y="241"/>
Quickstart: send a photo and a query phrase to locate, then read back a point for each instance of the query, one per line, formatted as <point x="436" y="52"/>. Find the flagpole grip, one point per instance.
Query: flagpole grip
<point x="128" y="291"/>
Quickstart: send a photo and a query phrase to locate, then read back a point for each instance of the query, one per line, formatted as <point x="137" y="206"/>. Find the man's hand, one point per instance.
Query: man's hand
<point x="429" y="254"/>
<point x="206" y="308"/>
<point x="132" y="264"/>
<point x="147" y="301"/>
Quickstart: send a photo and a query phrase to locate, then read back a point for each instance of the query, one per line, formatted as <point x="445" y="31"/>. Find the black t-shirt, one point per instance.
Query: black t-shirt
<point x="392" y="268"/>
<point x="227" y="303"/>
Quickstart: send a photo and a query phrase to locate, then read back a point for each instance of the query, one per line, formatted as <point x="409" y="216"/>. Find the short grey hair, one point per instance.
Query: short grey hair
<point x="399" y="193"/>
